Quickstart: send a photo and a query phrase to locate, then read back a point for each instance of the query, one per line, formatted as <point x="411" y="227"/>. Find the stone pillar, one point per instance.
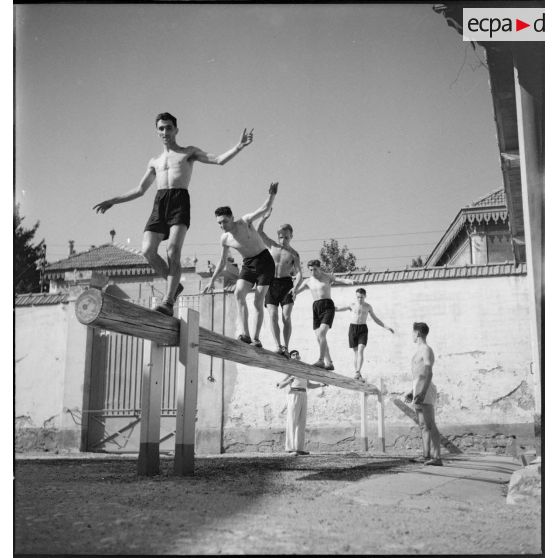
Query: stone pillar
<point x="76" y="381"/>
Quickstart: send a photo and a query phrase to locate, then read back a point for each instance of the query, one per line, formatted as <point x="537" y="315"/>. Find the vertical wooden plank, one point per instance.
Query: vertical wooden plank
<point x="380" y="409"/>
<point x="186" y="392"/>
<point x="150" y="426"/>
<point x="364" y="421"/>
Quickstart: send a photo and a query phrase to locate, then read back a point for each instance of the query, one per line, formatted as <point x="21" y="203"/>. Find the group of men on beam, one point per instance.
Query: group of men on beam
<point x="269" y="266"/>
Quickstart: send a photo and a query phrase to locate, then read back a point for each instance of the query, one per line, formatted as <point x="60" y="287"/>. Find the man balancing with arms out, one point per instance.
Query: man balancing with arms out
<point x="170" y="219"/>
<point x="258" y="266"/>
<point x="358" y="330"/>
<point x="323" y="308"/>
<point x="281" y="289"/>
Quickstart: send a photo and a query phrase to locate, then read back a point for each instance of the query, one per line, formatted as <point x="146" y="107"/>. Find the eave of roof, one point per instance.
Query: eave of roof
<point x="478" y="214"/>
<point x="40" y="299"/>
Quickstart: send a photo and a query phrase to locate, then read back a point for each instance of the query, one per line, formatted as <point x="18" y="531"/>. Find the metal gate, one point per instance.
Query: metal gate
<point x="116" y="382"/>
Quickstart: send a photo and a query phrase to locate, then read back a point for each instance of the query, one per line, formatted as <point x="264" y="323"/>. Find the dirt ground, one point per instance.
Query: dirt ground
<point x="270" y="504"/>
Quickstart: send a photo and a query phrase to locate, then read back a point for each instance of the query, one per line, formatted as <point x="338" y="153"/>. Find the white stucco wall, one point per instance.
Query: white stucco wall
<point x="479" y="334"/>
<point x="40" y="356"/>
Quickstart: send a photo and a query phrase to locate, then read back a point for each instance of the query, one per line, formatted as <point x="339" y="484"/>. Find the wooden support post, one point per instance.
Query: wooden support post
<point x="381" y="425"/>
<point x="186" y="393"/>
<point x="364" y="421"/>
<point x="150" y="426"/>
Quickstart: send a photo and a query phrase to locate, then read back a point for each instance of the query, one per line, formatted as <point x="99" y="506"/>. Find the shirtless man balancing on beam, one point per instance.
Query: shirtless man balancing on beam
<point x="281" y="290"/>
<point x="170" y="218"/>
<point x="323" y="308"/>
<point x="257" y="266"/>
<point x="358" y="330"/>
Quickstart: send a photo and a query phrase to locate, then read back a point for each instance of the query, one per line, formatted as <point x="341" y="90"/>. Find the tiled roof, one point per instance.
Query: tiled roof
<point x="40" y="299"/>
<point x="427" y="273"/>
<point x="498" y="197"/>
<point x="116" y="259"/>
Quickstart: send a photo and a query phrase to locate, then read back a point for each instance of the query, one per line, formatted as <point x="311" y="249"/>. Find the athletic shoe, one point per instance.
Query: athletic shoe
<point x="329" y="367"/>
<point x="436" y="462"/>
<point x="319" y="364"/>
<point x="421" y="459"/>
<point x="245" y="338"/>
<point x="256" y="343"/>
<point x="282" y="351"/>
<point x="301" y="452"/>
<point x="359" y="377"/>
<point x="165" y="308"/>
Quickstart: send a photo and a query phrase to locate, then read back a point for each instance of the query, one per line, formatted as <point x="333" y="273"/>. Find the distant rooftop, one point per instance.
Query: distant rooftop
<point x="113" y="258"/>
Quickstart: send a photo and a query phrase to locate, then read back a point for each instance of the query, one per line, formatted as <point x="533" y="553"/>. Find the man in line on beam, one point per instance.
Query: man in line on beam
<point x="358" y="330"/>
<point x="297" y="405"/>
<point x="258" y="266"/>
<point x="323" y="308"/>
<point x="170" y="218"/>
<point x="281" y="289"/>
<point x="424" y="395"/>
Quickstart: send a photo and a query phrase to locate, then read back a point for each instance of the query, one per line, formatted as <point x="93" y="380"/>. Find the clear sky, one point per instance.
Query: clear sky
<point x="375" y="119"/>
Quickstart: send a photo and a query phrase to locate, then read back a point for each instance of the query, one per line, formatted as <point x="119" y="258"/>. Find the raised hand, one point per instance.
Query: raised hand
<point x="273" y="188"/>
<point x="103" y="206"/>
<point x="246" y="138"/>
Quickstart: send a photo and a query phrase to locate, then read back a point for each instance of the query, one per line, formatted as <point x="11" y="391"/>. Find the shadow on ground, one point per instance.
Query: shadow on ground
<point x="102" y="506"/>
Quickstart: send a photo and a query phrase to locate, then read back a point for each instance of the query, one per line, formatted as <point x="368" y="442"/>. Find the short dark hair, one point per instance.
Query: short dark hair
<point x="316" y="263"/>
<point x="422" y="328"/>
<point x="224" y="210"/>
<point x="285" y="227"/>
<point x="361" y="291"/>
<point x="166" y="116"/>
<point x="293" y="353"/>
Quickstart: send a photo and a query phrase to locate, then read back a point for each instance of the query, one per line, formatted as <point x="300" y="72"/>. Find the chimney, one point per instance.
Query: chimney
<point x="112" y="233"/>
<point x="72" y="251"/>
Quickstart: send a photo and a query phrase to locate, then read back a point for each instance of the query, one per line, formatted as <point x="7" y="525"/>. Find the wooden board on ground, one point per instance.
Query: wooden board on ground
<point x="452" y="448"/>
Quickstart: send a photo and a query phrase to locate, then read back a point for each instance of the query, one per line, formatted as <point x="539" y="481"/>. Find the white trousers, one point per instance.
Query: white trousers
<point x="296" y="420"/>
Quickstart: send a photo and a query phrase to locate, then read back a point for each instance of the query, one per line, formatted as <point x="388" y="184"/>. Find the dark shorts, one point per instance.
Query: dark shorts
<point x="279" y="292"/>
<point x="258" y="269"/>
<point x="358" y="335"/>
<point x="171" y="207"/>
<point x="324" y="312"/>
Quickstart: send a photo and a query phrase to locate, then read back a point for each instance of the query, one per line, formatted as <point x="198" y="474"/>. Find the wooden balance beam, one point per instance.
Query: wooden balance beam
<point x="98" y="309"/>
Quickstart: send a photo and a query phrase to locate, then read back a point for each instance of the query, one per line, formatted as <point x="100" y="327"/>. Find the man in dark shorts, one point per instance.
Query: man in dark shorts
<point x="170" y="218"/>
<point x="282" y="288"/>
<point x="323" y="308"/>
<point x="258" y="266"/>
<point x="358" y="330"/>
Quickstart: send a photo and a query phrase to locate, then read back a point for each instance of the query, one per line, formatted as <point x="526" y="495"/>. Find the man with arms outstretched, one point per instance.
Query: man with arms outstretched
<point x="424" y="395"/>
<point x="281" y="289"/>
<point x="258" y="266"/>
<point x="170" y="218"/>
<point x="323" y="308"/>
<point x="358" y="330"/>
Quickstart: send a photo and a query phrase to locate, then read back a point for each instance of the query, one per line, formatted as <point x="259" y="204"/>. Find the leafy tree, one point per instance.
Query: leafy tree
<point x="26" y="256"/>
<point x="335" y="259"/>
<point x="417" y="262"/>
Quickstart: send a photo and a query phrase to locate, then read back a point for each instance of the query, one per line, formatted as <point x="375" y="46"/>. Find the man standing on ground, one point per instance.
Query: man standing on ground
<point x="358" y="330"/>
<point x="258" y="266"/>
<point x="170" y="218"/>
<point x="323" y="308"/>
<point x="281" y="289"/>
<point x="424" y="395"/>
<point x="297" y="405"/>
